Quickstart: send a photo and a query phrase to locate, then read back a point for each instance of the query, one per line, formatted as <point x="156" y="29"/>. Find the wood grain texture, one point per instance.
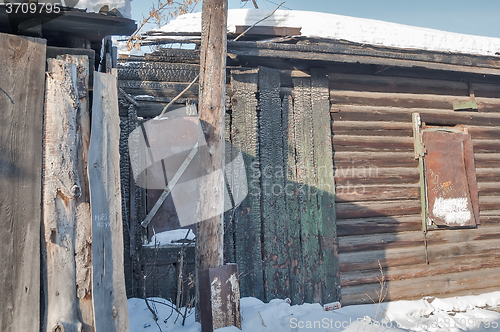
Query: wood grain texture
<point x="62" y="186"/>
<point x="22" y="81"/>
<point x="83" y="220"/>
<point x="109" y="296"/>
<point x="247" y="222"/>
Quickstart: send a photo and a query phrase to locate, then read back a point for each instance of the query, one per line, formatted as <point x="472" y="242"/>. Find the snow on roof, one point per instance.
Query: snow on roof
<point x="359" y="30"/>
<point x="123" y="6"/>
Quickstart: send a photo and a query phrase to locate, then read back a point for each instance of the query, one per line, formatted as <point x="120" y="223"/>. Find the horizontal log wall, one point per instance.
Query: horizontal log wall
<point x="378" y="193"/>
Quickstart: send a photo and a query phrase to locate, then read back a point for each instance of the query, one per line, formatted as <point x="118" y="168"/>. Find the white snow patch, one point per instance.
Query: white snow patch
<point x="455" y="314"/>
<point x="171" y="237"/>
<point x="455" y="211"/>
<point x="353" y="29"/>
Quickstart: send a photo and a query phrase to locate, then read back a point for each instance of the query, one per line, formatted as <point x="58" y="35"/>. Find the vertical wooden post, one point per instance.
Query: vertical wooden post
<point x="212" y="93"/>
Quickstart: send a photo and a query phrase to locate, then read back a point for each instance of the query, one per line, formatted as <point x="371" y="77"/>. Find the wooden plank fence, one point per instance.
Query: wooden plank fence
<point x="22" y="62"/>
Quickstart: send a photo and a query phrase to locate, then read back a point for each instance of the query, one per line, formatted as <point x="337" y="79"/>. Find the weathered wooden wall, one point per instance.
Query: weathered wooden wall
<point x="22" y="82"/>
<point x="378" y="197"/>
<point x="372" y="93"/>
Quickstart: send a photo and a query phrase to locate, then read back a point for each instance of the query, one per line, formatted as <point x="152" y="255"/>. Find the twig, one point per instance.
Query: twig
<point x="244" y="32"/>
<point x="178" y="96"/>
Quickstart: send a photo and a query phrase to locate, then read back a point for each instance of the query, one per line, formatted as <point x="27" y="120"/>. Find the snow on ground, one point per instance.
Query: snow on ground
<point x="357" y="30"/>
<point x="455" y="314"/>
<point x="171" y="237"/>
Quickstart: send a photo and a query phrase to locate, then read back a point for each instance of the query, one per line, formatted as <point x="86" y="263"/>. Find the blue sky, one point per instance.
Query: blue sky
<point x="481" y="17"/>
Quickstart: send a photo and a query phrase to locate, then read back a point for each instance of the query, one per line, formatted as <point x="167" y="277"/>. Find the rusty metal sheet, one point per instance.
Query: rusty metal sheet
<point x="219" y="298"/>
<point x="449" y="201"/>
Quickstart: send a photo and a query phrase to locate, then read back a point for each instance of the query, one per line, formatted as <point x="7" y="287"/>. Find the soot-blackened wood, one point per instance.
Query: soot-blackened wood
<point x="62" y="187"/>
<point x="157" y="71"/>
<point x="308" y="190"/>
<point x="247" y="220"/>
<point x="211" y="110"/>
<point x="159" y="89"/>
<point x="274" y="221"/>
<point x="229" y="224"/>
<point x="388" y="84"/>
<point x="83" y="220"/>
<point x="109" y="295"/>
<point x="22" y="76"/>
<point x="289" y="118"/>
<point x="325" y="186"/>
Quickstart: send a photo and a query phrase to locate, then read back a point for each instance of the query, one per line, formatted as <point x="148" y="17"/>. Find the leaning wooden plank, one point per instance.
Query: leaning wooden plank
<point x="62" y="187"/>
<point x="307" y="189"/>
<point x="110" y="301"/>
<point x="247" y="221"/>
<point x="83" y="220"/>
<point x="274" y="222"/>
<point x="22" y="76"/>
<point x="446" y="284"/>
<point x="327" y="231"/>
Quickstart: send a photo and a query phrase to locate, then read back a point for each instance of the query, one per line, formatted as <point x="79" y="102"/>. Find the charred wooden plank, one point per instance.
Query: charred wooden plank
<point x="377" y="209"/>
<point x="276" y="270"/>
<point x="327" y="231"/>
<point x="376" y="225"/>
<point x="244" y="136"/>
<point x="346" y="54"/>
<point x="157" y="71"/>
<point x="390" y="84"/>
<point x="158" y="89"/>
<point x="289" y="118"/>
